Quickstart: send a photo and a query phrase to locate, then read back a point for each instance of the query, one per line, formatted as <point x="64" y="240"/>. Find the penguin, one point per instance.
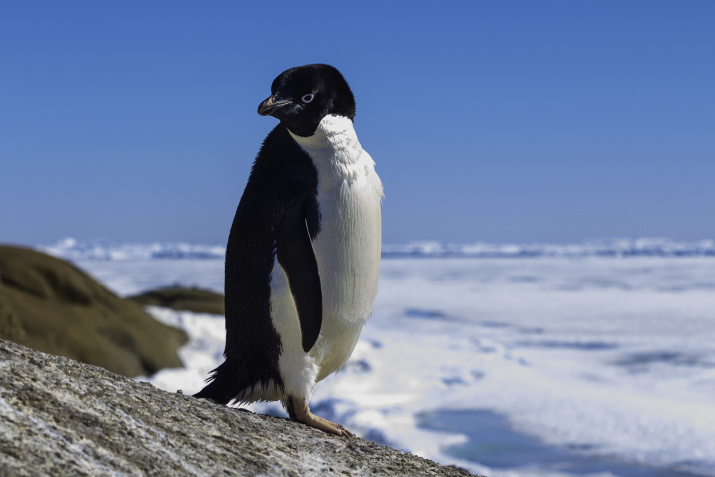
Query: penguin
<point x="303" y="253"/>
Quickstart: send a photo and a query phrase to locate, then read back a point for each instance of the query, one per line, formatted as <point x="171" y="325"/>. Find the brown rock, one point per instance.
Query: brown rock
<point x="64" y="311"/>
<point x="10" y="326"/>
<point x="178" y="298"/>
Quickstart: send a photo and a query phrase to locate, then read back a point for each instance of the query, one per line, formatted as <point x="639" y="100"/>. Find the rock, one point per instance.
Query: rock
<point x="61" y="417"/>
<point x="178" y="298"/>
<point x="10" y="326"/>
<point x="57" y="308"/>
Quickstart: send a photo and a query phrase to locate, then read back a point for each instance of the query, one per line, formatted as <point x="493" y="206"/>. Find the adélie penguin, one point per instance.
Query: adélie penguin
<point x="303" y="254"/>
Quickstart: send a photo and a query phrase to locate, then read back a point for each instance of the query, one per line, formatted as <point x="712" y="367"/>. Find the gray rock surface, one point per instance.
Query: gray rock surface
<point x="60" y="417"/>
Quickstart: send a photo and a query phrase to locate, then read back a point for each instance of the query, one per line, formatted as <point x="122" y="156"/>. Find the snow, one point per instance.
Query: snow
<point x="613" y="358"/>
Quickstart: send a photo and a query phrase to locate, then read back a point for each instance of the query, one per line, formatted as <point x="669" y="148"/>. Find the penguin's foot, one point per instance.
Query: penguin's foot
<point x="299" y="410"/>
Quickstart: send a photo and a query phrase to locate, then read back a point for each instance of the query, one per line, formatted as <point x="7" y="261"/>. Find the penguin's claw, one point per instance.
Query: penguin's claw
<point x="346" y="433"/>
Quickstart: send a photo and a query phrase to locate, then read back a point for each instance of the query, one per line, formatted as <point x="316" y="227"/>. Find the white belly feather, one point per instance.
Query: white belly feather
<point x="347" y="250"/>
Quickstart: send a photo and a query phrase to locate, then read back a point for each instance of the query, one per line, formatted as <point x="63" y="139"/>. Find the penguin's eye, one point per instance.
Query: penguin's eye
<point x="307" y="98"/>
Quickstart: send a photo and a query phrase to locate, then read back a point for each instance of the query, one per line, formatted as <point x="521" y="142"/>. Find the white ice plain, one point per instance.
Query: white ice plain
<point x="613" y="357"/>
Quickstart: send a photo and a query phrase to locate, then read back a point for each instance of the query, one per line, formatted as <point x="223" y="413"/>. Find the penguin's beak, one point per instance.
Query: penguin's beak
<point x="270" y="106"/>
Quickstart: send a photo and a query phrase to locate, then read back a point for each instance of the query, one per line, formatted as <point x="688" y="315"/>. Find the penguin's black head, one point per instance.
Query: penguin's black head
<point x="301" y="97"/>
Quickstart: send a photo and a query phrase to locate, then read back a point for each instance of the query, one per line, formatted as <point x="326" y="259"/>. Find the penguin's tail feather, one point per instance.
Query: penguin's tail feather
<point x="230" y="382"/>
<point x="221" y="389"/>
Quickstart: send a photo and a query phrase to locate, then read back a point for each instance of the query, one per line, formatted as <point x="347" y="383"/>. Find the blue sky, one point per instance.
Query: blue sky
<point x="508" y="121"/>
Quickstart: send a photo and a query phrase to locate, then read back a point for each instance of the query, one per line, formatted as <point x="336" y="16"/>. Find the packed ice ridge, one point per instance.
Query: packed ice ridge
<point x="110" y="250"/>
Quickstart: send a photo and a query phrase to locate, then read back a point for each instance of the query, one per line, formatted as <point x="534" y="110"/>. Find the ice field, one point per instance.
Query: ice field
<point x="553" y="364"/>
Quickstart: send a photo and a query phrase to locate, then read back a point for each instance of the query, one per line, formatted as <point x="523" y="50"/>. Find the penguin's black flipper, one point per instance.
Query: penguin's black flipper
<point x="295" y="254"/>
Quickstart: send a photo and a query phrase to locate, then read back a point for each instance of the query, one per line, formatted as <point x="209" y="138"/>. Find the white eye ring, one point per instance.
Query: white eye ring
<point x="307" y="98"/>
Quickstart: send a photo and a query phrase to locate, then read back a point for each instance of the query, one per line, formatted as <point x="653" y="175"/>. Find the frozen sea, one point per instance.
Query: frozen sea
<point x="539" y="365"/>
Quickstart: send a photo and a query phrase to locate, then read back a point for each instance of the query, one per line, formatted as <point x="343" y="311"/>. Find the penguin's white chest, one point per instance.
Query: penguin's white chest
<point x="347" y="248"/>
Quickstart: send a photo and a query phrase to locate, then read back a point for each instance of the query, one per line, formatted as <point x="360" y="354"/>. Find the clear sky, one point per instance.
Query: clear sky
<point x="501" y="121"/>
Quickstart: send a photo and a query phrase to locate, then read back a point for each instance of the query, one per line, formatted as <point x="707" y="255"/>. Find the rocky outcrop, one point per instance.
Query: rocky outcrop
<point x="10" y="326"/>
<point x="179" y="298"/>
<point x="62" y="417"/>
<point x="50" y="305"/>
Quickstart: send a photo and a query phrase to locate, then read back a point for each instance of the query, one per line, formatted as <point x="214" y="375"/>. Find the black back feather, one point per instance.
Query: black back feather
<point x="283" y="179"/>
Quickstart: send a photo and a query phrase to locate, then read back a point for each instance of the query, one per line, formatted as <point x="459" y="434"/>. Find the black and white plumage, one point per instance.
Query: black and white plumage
<point x="303" y="255"/>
